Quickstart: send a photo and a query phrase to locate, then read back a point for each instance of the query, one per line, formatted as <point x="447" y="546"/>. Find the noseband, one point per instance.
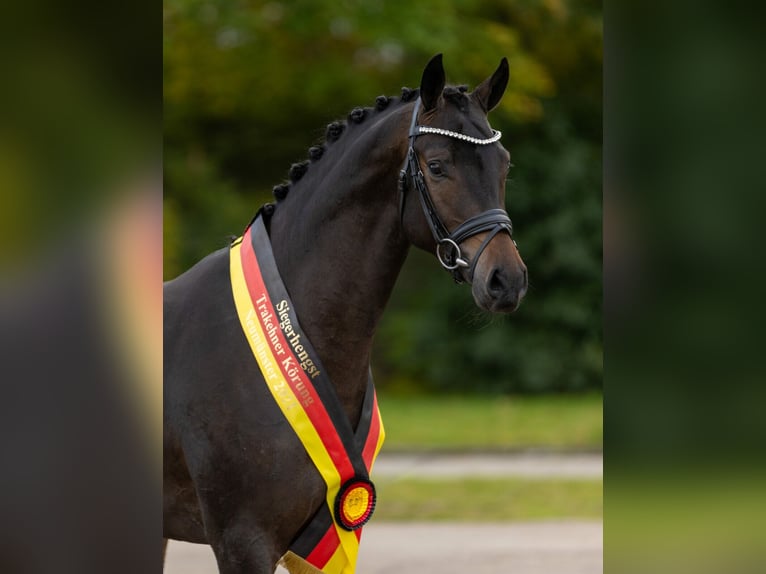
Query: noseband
<point x="448" y="244"/>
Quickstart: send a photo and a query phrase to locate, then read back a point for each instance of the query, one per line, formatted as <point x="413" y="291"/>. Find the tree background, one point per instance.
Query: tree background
<point x="250" y="84"/>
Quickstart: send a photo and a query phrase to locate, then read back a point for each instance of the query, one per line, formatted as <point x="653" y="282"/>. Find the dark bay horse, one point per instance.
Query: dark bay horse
<point x="423" y="169"/>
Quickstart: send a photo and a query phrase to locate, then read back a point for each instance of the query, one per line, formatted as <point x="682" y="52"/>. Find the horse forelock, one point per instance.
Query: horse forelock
<point x="457" y="96"/>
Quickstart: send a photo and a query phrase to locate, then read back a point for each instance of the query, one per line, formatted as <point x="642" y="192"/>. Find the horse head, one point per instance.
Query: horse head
<point x="458" y="168"/>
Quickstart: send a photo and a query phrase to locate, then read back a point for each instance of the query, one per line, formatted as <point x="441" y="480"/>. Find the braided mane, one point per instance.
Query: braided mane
<point x="456" y="95"/>
<point x="333" y="133"/>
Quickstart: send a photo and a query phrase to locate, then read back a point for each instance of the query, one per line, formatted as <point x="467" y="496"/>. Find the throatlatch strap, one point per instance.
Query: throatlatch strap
<point x="298" y="383"/>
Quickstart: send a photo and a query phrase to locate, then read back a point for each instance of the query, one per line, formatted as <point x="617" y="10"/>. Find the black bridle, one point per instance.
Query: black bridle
<point x="448" y="244"/>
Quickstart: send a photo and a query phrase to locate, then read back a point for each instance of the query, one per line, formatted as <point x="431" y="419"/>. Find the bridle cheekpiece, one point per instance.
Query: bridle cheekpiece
<point x="448" y="243"/>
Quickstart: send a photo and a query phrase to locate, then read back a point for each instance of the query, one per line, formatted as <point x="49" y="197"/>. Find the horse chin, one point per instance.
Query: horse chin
<point x="486" y="302"/>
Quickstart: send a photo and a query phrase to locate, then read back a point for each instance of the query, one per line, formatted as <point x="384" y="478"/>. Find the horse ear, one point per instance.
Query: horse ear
<point x="490" y="91"/>
<point x="432" y="82"/>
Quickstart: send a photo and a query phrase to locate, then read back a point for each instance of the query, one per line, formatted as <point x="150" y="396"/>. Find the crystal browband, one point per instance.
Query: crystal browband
<point x="427" y="130"/>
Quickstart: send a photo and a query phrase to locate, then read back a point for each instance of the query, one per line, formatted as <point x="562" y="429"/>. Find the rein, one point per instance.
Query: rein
<point x="448" y="244"/>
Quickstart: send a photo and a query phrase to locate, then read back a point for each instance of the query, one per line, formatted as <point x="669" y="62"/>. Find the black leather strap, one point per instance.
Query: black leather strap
<point x="482" y="222"/>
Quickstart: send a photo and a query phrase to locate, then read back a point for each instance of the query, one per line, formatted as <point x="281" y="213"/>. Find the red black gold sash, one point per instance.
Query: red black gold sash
<point x="300" y="386"/>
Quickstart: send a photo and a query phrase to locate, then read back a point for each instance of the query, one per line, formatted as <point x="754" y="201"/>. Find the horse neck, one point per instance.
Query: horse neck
<point x="339" y="247"/>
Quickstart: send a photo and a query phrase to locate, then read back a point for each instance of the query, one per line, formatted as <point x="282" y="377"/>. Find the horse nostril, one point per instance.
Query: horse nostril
<point x="497" y="283"/>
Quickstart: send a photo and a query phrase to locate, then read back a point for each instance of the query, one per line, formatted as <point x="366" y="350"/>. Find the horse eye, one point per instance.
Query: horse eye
<point x="435" y="167"/>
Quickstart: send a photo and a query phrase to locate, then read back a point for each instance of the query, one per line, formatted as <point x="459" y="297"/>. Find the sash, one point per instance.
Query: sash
<point x="300" y="387"/>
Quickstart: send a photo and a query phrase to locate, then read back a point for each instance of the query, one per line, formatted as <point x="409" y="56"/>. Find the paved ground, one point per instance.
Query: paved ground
<point x="531" y="465"/>
<point x="445" y="548"/>
<point x="550" y="547"/>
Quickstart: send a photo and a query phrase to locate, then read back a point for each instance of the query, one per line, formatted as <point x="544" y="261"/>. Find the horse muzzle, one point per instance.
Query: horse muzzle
<point x="499" y="284"/>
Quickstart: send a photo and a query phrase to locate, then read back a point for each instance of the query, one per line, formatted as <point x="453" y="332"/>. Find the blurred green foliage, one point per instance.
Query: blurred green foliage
<point x="249" y="85"/>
